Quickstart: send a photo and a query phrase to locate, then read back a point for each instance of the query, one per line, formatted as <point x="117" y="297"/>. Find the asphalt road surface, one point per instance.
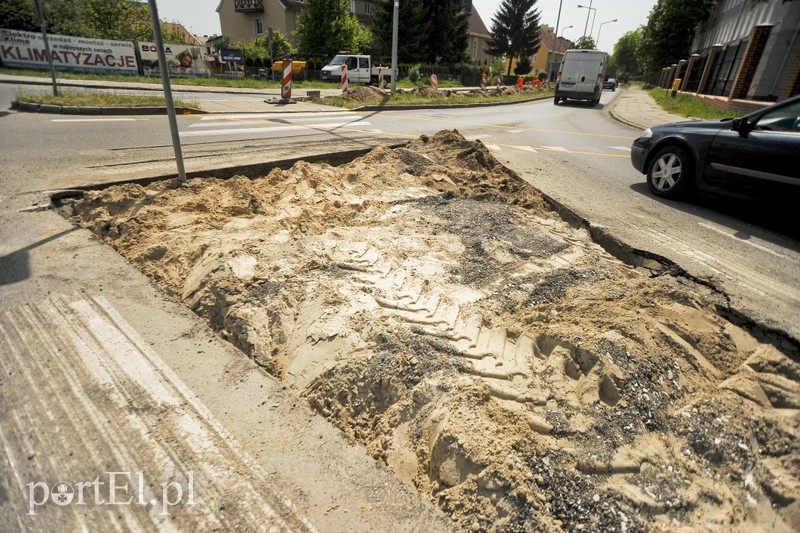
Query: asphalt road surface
<point x="575" y="153"/>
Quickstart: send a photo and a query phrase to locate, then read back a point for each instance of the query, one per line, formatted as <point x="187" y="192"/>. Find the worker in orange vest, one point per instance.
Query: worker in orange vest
<point x="520" y="82"/>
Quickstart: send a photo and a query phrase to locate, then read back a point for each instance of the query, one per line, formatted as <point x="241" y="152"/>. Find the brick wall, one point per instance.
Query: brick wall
<point x="750" y="61"/>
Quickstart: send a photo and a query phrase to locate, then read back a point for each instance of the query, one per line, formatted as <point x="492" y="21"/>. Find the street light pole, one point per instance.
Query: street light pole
<point x="601" y="29"/>
<point x="553" y="51"/>
<point x="162" y="66"/>
<point x="395" y="26"/>
<point x="587" y="17"/>
<point x="43" y="25"/>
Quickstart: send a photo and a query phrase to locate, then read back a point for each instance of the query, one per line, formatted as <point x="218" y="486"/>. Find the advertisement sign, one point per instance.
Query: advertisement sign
<point x="227" y="55"/>
<point x="25" y="49"/>
<point x="182" y="60"/>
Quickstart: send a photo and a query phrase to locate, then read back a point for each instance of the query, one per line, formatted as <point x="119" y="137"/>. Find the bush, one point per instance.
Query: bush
<point x="414" y="73"/>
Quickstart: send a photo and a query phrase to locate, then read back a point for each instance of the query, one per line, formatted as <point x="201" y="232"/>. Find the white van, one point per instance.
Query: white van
<point x="581" y="75"/>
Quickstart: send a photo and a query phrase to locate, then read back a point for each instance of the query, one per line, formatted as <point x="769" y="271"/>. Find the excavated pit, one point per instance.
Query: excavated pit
<point x="428" y="303"/>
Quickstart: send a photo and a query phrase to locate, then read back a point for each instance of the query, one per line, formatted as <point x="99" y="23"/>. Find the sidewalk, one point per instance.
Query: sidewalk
<point x="637" y="109"/>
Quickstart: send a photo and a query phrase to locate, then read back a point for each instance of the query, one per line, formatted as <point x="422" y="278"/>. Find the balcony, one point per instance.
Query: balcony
<point x="249" y="6"/>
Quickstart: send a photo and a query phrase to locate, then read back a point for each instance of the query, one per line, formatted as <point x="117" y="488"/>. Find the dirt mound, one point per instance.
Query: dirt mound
<point x="367" y="94"/>
<point x="427" y="92"/>
<point x="427" y="302"/>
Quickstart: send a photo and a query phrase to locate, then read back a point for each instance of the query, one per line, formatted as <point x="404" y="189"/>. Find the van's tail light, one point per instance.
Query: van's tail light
<point x="600" y="79"/>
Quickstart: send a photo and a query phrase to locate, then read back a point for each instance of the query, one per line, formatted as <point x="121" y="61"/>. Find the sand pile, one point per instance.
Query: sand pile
<point x="428" y="92"/>
<point x="427" y="302"/>
<point x="367" y="95"/>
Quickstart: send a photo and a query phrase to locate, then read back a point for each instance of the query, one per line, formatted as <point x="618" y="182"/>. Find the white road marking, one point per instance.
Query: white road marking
<point x="272" y="129"/>
<point x="743" y="241"/>
<point x="96" y="119"/>
<point x="623" y="148"/>
<point x="515" y="131"/>
<point x="494" y="147"/>
<point x="235" y="123"/>
<point x="525" y="149"/>
<point x="555" y="148"/>
<point x="320" y="114"/>
<point x="476" y="137"/>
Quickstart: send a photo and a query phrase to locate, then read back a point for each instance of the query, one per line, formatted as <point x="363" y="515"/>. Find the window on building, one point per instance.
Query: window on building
<point x="352" y="6"/>
<point x="368" y="8"/>
<point x="258" y="26"/>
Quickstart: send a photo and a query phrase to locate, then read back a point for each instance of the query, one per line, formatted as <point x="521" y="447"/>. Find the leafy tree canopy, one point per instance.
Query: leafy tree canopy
<point x="627" y="58"/>
<point x="670" y="30"/>
<point x="585" y="43"/>
<point x="123" y="20"/>
<point x="412" y="33"/>
<point x="449" y="30"/>
<point x="326" y="26"/>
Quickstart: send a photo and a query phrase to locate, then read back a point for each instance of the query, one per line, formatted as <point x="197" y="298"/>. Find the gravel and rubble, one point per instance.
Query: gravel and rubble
<point x="428" y="302"/>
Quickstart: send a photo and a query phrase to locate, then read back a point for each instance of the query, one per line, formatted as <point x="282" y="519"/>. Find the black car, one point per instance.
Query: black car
<point x="755" y="156"/>
<point x="610" y="83"/>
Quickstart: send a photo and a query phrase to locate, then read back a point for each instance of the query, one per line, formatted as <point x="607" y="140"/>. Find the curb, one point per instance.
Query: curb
<point x="618" y="118"/>
<point x="30" y="107"/>
<point x="443" y="106"/>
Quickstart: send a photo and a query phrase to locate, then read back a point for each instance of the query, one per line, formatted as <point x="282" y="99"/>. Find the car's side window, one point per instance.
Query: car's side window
<point x="785" y="119"/>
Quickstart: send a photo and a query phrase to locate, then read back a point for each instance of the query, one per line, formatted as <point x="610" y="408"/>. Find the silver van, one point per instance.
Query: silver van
<point x="581" y="76"/>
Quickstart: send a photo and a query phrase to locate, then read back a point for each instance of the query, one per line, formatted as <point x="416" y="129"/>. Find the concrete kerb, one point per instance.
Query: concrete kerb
<point x="619" y="118"/>
<point x="445" y="106"/>
<point x="30" y="107"/>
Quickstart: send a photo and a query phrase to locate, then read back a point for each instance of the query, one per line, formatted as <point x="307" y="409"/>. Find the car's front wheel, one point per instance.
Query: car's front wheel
<point x="671" y="172"/>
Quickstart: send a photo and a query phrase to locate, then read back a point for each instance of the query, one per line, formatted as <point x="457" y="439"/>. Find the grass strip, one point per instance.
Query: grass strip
<point x="689" y="106"/>
<point x="245" y="83"/>
<point x="401" y="99"/>
<point x="99" y="100"/>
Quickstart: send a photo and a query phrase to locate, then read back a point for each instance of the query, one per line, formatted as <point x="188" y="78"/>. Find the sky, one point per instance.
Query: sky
<point x="200" y="16"/>
<point x="630" y="14"/>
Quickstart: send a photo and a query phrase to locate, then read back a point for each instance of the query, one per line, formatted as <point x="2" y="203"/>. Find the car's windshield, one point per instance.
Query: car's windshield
<point x="338" y="60"/>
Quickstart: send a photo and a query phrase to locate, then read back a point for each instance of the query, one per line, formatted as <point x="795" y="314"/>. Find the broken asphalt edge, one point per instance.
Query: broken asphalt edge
<point x="655" y="264"/>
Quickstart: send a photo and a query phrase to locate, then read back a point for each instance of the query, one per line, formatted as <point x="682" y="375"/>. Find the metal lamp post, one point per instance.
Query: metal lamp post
<point x="565" y="29"/>
<point x="594" y="16"/>
<point x="587" y="16"/>
<point x="553" y="51"/>
<point x="601" y="29"/>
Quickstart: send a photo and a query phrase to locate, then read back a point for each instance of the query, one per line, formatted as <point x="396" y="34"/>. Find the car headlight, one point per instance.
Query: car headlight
<point x="647" y="133"/>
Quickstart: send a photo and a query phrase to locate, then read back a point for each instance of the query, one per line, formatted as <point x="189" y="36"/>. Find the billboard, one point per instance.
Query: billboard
<point x="25" y="49"/>
<point x="182" y="60"/>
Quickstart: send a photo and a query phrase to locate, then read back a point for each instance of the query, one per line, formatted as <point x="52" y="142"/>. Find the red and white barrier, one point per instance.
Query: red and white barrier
<point x="381" y="81"/>
<point x="286" y="84"/>
<point x="344" y="79"/>
<point x="484" y="80"/>
<point x="499" y="82"/>
<point x="434" y="81"/>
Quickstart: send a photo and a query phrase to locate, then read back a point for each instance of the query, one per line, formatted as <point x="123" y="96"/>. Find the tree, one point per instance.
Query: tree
<point x="326" y="26"/>
<point x="626" y="60"/>
<point x="18" y="15"/>
<point x="412" y="32"/>
<point x="515" y="30"/>
<point x="585" y="43"/>
<point x="258" y="48"/>
<point x="122" y="20"/>
<point x="449" y="30"/>
<point x="670" y="30"/>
